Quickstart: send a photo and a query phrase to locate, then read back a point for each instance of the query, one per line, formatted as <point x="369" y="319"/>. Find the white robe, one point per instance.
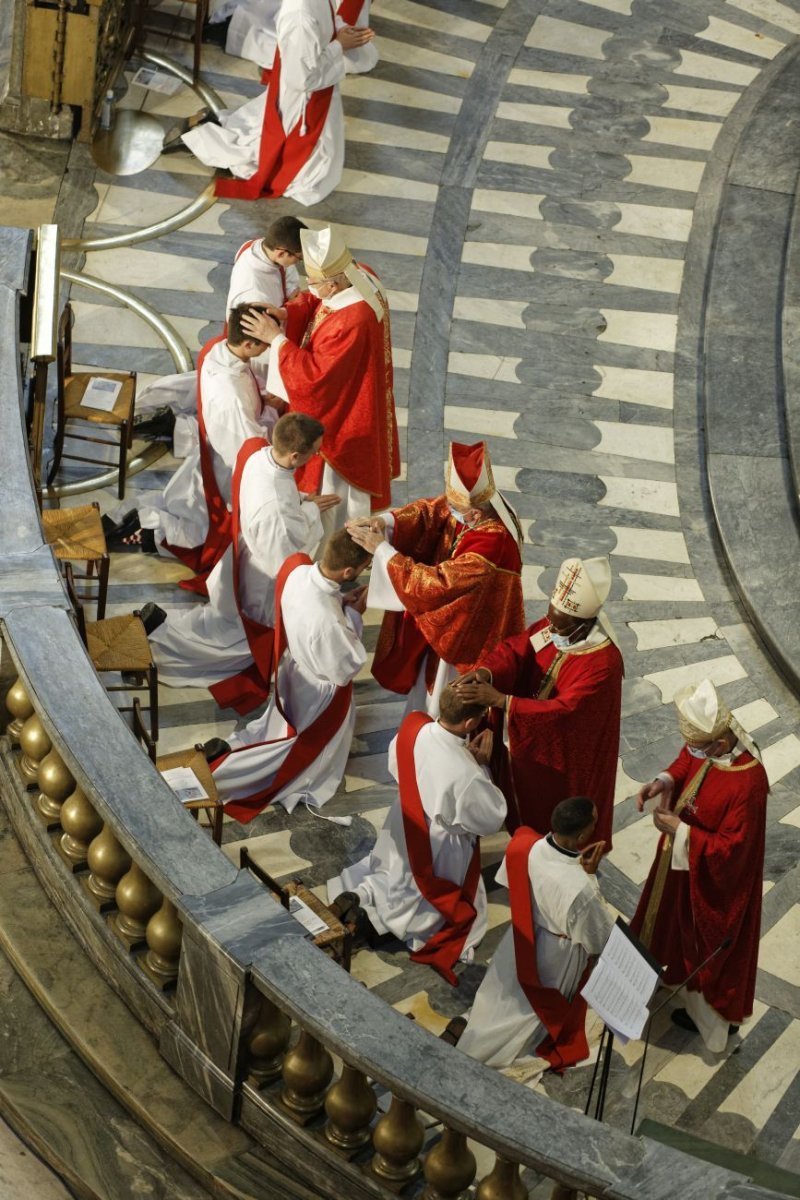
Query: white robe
<point x="255" y="279"/>
<point x="310" y="62"/>
<point x="324" y="652"/>
<point x="461" y="803"/>
<point x="572" y="923"/>
<point x="206" y="643"/>
<point x="252" y="35"/>
<point x="382" y="595"/>
<point x="354" y="502"/>
<point x="232" y="412"/>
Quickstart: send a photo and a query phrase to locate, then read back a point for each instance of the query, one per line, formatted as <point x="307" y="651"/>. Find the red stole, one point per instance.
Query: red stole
<point x="456" y="902"/>
<point x="282" y="153"/>
<point x="309" y="743"/>
<point x="202" y="559"/>
<point x="349" y="10"/>
<point x="565" y="1020"/>
<point x="248" y="689"/>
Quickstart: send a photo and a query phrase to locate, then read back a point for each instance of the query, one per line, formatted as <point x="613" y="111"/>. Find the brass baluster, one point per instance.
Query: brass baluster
<point x="35" y="745"/>
<point x="449" y="1167"/>
<point x="163" y="936"/>
<point x="108" y="861"/>
<point x="55" y="783"/>
<point x="397" y="1139"/>
<point x="350" y="1104"/>
<point x="503" y="1183"/>
<point x="267" y="1042"/>
<point x="80" y="824"/>
<point x="137" y="899"/>
<point x="18" y="703"/>
<point x="307" y="1071"/>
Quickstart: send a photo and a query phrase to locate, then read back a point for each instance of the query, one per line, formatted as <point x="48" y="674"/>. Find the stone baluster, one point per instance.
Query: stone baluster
<point x="137" y="900"/>
<point x="266" y="1042"/>
<point x="449" y="1167"/>
<point x="503" y="1183"/>
<point x="163" y="936"/>
<point x="397" y="1139"/>
<point x="35" y="745"/>
<point x="307" y="1071"/>
<point x="350" y="1104"/>
<point x="18" y="703"/>
<point x="80" y="824"/>
<point x="108" y="861"/>
<point x="55" y="784"/>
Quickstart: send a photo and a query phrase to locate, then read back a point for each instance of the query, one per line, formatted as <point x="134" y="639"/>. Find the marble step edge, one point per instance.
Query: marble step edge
<point x="107" y="1037"/>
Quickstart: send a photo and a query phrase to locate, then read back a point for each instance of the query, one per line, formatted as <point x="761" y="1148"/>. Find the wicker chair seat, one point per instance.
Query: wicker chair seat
<point x="75" y="387"/>
<point x="118" y="644"/>
<point x="75" y="533"/>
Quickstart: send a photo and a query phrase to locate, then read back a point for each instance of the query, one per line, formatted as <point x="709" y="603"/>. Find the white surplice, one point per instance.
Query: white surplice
<point x="311" y="60"/>
<point x="256" y="279"/>
<point x="324" y="651"/>
<point x="382" y="595"/>
<point x="354" y="502"/>
<point x="572" y="923"/>
<point x="206" y="643"/>
<point x="461" y="804"/>
<point x="232" y="413"/>
<point x="252" y="35"/>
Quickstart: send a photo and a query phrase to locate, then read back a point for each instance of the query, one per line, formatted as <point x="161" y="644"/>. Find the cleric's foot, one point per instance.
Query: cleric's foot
<point x="681" y="1018"/>
<point x="151" y="616"/>
<point x="214" y="748"/>
<point x="140" y="541"/>
<point x="453" y="1031"/>
<point x="216" y="33"/>
<point x="157" y="427"/>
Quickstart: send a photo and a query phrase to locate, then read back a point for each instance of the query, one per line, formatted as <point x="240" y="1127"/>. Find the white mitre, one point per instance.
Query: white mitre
<point x="325" y="255"/>
<point x="703" y="717"/>
<point x="582" y="586"/>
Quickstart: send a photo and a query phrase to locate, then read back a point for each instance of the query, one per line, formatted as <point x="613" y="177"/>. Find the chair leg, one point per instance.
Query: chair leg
<point x="152" y="678"/>
<point x="216" y="824"/>
<point x="199" y="16"/>
<point x="123" y="459"/>
<point x="103" y="567"/>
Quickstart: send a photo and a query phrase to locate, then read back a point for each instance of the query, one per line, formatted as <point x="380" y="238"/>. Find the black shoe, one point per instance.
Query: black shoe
<point x="214" y="748"/>
<point x="345" y="904"/>
<point x="151" y="617"/>
<point x="128" y="523"/>
<point x="216" y="33"/>
<point x="453" y="1031"/>
<point x="157" y="428"/>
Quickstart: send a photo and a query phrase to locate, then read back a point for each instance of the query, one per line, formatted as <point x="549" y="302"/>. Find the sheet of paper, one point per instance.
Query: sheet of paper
<point x="157" y="81"/>
<point x="621" y="986"/>
<point x="306" y="916"/>
<point x="652" y="804"/>
<point x="185" y="784"/>
<point x="101" y="393"/>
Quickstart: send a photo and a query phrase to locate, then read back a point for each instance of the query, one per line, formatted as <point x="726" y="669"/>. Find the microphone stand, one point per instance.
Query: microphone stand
<point x="673" y="993"/>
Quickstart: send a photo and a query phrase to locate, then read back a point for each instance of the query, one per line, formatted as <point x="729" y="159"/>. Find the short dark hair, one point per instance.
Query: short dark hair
<point x="296" y="432"/>
<point x="341" y="551"/>
<point x="453" y="709"/>
<point x="284" y="234"/>
<point x="236" y="335"/>
<point x="570" y="817"/>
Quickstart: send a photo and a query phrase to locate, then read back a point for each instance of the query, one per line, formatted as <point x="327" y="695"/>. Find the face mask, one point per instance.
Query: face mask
<point x="559" y="640"/>
<point x="458" y="516"/>
<point x="314" y="289"/>
<point x="696" y="752"/>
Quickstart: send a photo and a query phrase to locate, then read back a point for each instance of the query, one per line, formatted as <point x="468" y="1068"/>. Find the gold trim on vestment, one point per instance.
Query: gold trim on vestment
<point x="665" y="855"/>
<point x="589" y="649"/>
<point x="733" y="767"/>
<point x="551" y="675"/>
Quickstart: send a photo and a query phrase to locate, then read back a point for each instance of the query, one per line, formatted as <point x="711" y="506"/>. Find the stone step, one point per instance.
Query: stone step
<point x="87" y="1087"/>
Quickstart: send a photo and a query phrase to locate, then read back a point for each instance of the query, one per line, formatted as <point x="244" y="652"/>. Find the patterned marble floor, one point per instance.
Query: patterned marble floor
<point x="522" y="174"/>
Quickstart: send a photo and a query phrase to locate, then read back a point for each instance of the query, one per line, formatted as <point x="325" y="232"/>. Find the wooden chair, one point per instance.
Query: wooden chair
<point x="195" y="759"/>
<point x="72" y="415"/>
<point x="196" y="36"/>
<point x="77" y="535"/>
<point x="120" y="645"/>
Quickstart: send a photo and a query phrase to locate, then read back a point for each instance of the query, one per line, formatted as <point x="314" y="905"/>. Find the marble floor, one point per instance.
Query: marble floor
<point x="523" y="176"/>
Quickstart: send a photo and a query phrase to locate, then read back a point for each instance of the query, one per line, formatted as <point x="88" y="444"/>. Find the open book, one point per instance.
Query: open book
<point x="622" y="983"/>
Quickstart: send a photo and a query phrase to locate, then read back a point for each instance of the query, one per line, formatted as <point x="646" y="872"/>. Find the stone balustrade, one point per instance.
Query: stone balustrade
<point x="267" y="1030"/>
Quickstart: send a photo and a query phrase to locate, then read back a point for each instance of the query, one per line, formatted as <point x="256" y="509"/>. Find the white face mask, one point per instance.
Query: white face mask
<point x="696" y="752"/>
<point x="314" y="289"/>
<point x="459" y="517"/>
<point x="559" y="640"/>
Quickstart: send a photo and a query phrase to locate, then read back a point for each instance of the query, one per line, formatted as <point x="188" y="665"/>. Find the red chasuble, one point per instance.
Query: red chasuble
<point x="720" y="895"/>
<point x="564" y="1019"/>
<point x="203" y="558"/>
<point x="282" y="153"/>
<point x="567" y="744"/>
<point x="461" y="589"/>
<point x="248" y="689"/>
<point x="306" y="745"/>
<point x="337" y="367"/>
<point x="454" y="901"/>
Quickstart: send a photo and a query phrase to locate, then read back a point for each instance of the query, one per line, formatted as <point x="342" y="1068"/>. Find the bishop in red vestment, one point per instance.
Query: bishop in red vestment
<point x="561" y="684"/>
<point x="333" y="361"/>
<point x="448" y="573"/>
<point x="703" y="893"/>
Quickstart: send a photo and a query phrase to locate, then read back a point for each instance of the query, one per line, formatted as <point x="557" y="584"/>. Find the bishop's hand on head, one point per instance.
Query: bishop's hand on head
<point x="260" y="326"/>
<point x="476" y="691"/>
